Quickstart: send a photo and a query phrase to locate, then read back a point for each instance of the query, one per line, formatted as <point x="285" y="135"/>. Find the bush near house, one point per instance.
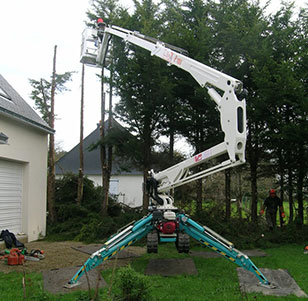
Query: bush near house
<point x="85" y="223"/>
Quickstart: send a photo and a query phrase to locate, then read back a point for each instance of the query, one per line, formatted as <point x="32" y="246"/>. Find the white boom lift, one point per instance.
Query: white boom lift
<point x="164" y="222"/>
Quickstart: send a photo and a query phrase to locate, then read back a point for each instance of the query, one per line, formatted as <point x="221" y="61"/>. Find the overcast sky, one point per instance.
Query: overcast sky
<point x="29" y="31"/>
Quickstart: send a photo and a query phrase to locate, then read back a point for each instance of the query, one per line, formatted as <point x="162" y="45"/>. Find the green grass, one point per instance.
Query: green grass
<point x="216" y="280"/>
<point x="11" y="288"/>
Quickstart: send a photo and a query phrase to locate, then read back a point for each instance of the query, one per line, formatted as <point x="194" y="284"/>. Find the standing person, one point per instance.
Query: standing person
<point x="271" y="203"/>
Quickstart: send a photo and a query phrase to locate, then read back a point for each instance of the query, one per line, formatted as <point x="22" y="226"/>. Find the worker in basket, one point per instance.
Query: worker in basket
<point x="271" y="204"/>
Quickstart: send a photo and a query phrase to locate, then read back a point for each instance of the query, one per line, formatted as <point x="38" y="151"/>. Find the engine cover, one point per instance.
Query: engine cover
<point x="168" y="227"/>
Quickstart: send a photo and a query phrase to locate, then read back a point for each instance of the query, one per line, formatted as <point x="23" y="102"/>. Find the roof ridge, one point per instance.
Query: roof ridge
<point x="18" y="108"/>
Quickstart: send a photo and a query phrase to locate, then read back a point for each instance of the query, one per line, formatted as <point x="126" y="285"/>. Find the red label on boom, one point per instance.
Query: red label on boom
<point x="171" y="57"/>
<point x="202" y="156"/>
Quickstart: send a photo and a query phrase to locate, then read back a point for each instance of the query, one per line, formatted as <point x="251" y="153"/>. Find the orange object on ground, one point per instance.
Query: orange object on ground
<point x="15" y="257"/>
<point x="12" y="259"/>
<point x="21" y="259"/>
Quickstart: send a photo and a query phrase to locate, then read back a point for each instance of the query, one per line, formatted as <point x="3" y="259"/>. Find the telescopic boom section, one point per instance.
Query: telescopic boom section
<point x="222" y="88"/>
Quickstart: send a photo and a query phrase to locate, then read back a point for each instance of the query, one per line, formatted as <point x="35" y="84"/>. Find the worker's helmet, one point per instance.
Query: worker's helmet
<point x="100" y="23"/>
<point x="272" y="191"/>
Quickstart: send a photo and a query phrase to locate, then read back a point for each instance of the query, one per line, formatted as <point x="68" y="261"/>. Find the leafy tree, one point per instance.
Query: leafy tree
<point x="109" y="10"/>
<point x="59" y="151"/>
<point x="301" y="72"/>
<point x="280" y="83"/>
<point x="172" y="32"/>
<point x="192" y="112"/>
<point x="240" y="42"/>
<point x="41" y="93"/>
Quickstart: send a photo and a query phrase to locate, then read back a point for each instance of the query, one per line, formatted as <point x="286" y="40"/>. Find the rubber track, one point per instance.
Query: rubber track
<point x="152" y="242"/>
<point x="183" y="243"/>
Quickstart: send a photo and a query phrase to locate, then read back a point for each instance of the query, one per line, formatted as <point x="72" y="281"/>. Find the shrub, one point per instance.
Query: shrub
<point x="68" y="211"/>
<point x="66" y="192"/>
<point x="133" y="285"/>
<point x="96" y="229"/>
<point x="80" y="222"/>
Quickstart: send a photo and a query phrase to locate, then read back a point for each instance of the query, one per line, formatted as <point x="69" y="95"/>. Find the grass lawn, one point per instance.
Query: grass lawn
<point x="216" y="280"/>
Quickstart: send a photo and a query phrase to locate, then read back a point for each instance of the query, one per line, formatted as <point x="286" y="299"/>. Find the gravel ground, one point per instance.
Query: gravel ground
<point x="60" y="255"/>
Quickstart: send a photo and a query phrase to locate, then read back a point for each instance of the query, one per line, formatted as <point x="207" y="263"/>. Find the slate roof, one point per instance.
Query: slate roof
<point x="14" y="106"/>
<point x="70" y="161"/>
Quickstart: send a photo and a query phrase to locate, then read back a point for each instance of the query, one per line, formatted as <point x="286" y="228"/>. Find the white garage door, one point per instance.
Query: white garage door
<point x="10" y="196"/>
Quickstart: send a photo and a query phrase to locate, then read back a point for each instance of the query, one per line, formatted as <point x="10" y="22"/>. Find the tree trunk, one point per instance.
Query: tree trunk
<point x="81" y="165"/>
<point x="290" y="194"/>
<point x="109" y="127"/>
<point x="51" y="155"/>
<point x="199" y="196"/>
<point x="300" y="182"/>
<point x="198" y="186"/>
<point x="254" y="192"/>
<point x="103" y="149"/>
<point x="106" y="189"/>
<point x="228" y="193"/>
<point x="239" y="195"/>
<point x="253" y="157"/>
<point x="300" y="199"/>
<point x="281" y="182"/>
<point x="171" y="145"/>
<point x="146" y="162"/>
<point x="108" y="163"/>
<point x="145" y="198"/>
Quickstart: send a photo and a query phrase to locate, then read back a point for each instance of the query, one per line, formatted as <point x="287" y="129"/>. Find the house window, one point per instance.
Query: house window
<point x="3" y="138"/>
<point x="114" y="186"/>
<point x="4" y="95"/>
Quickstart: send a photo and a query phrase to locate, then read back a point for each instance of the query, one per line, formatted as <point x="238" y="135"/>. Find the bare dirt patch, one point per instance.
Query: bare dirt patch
<point x="61" y="255"/>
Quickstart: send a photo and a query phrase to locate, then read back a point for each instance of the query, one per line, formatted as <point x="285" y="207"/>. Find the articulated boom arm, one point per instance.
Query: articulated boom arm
<point x="217" y="243"/>
<point x="128" y="235"/>
<point x="181" y="174"/>
<point x="117" y="243"/>
<point x="221" y="87"/>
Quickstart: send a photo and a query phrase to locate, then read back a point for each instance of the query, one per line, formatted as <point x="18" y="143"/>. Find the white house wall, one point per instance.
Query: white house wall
<point x="129" y="188"/>
<point x="28" y="146"/>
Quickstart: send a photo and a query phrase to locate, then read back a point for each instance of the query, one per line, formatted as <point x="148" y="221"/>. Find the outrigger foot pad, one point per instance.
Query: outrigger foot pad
<point x="71" y="285"/>
<point x="268" y="285"/>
